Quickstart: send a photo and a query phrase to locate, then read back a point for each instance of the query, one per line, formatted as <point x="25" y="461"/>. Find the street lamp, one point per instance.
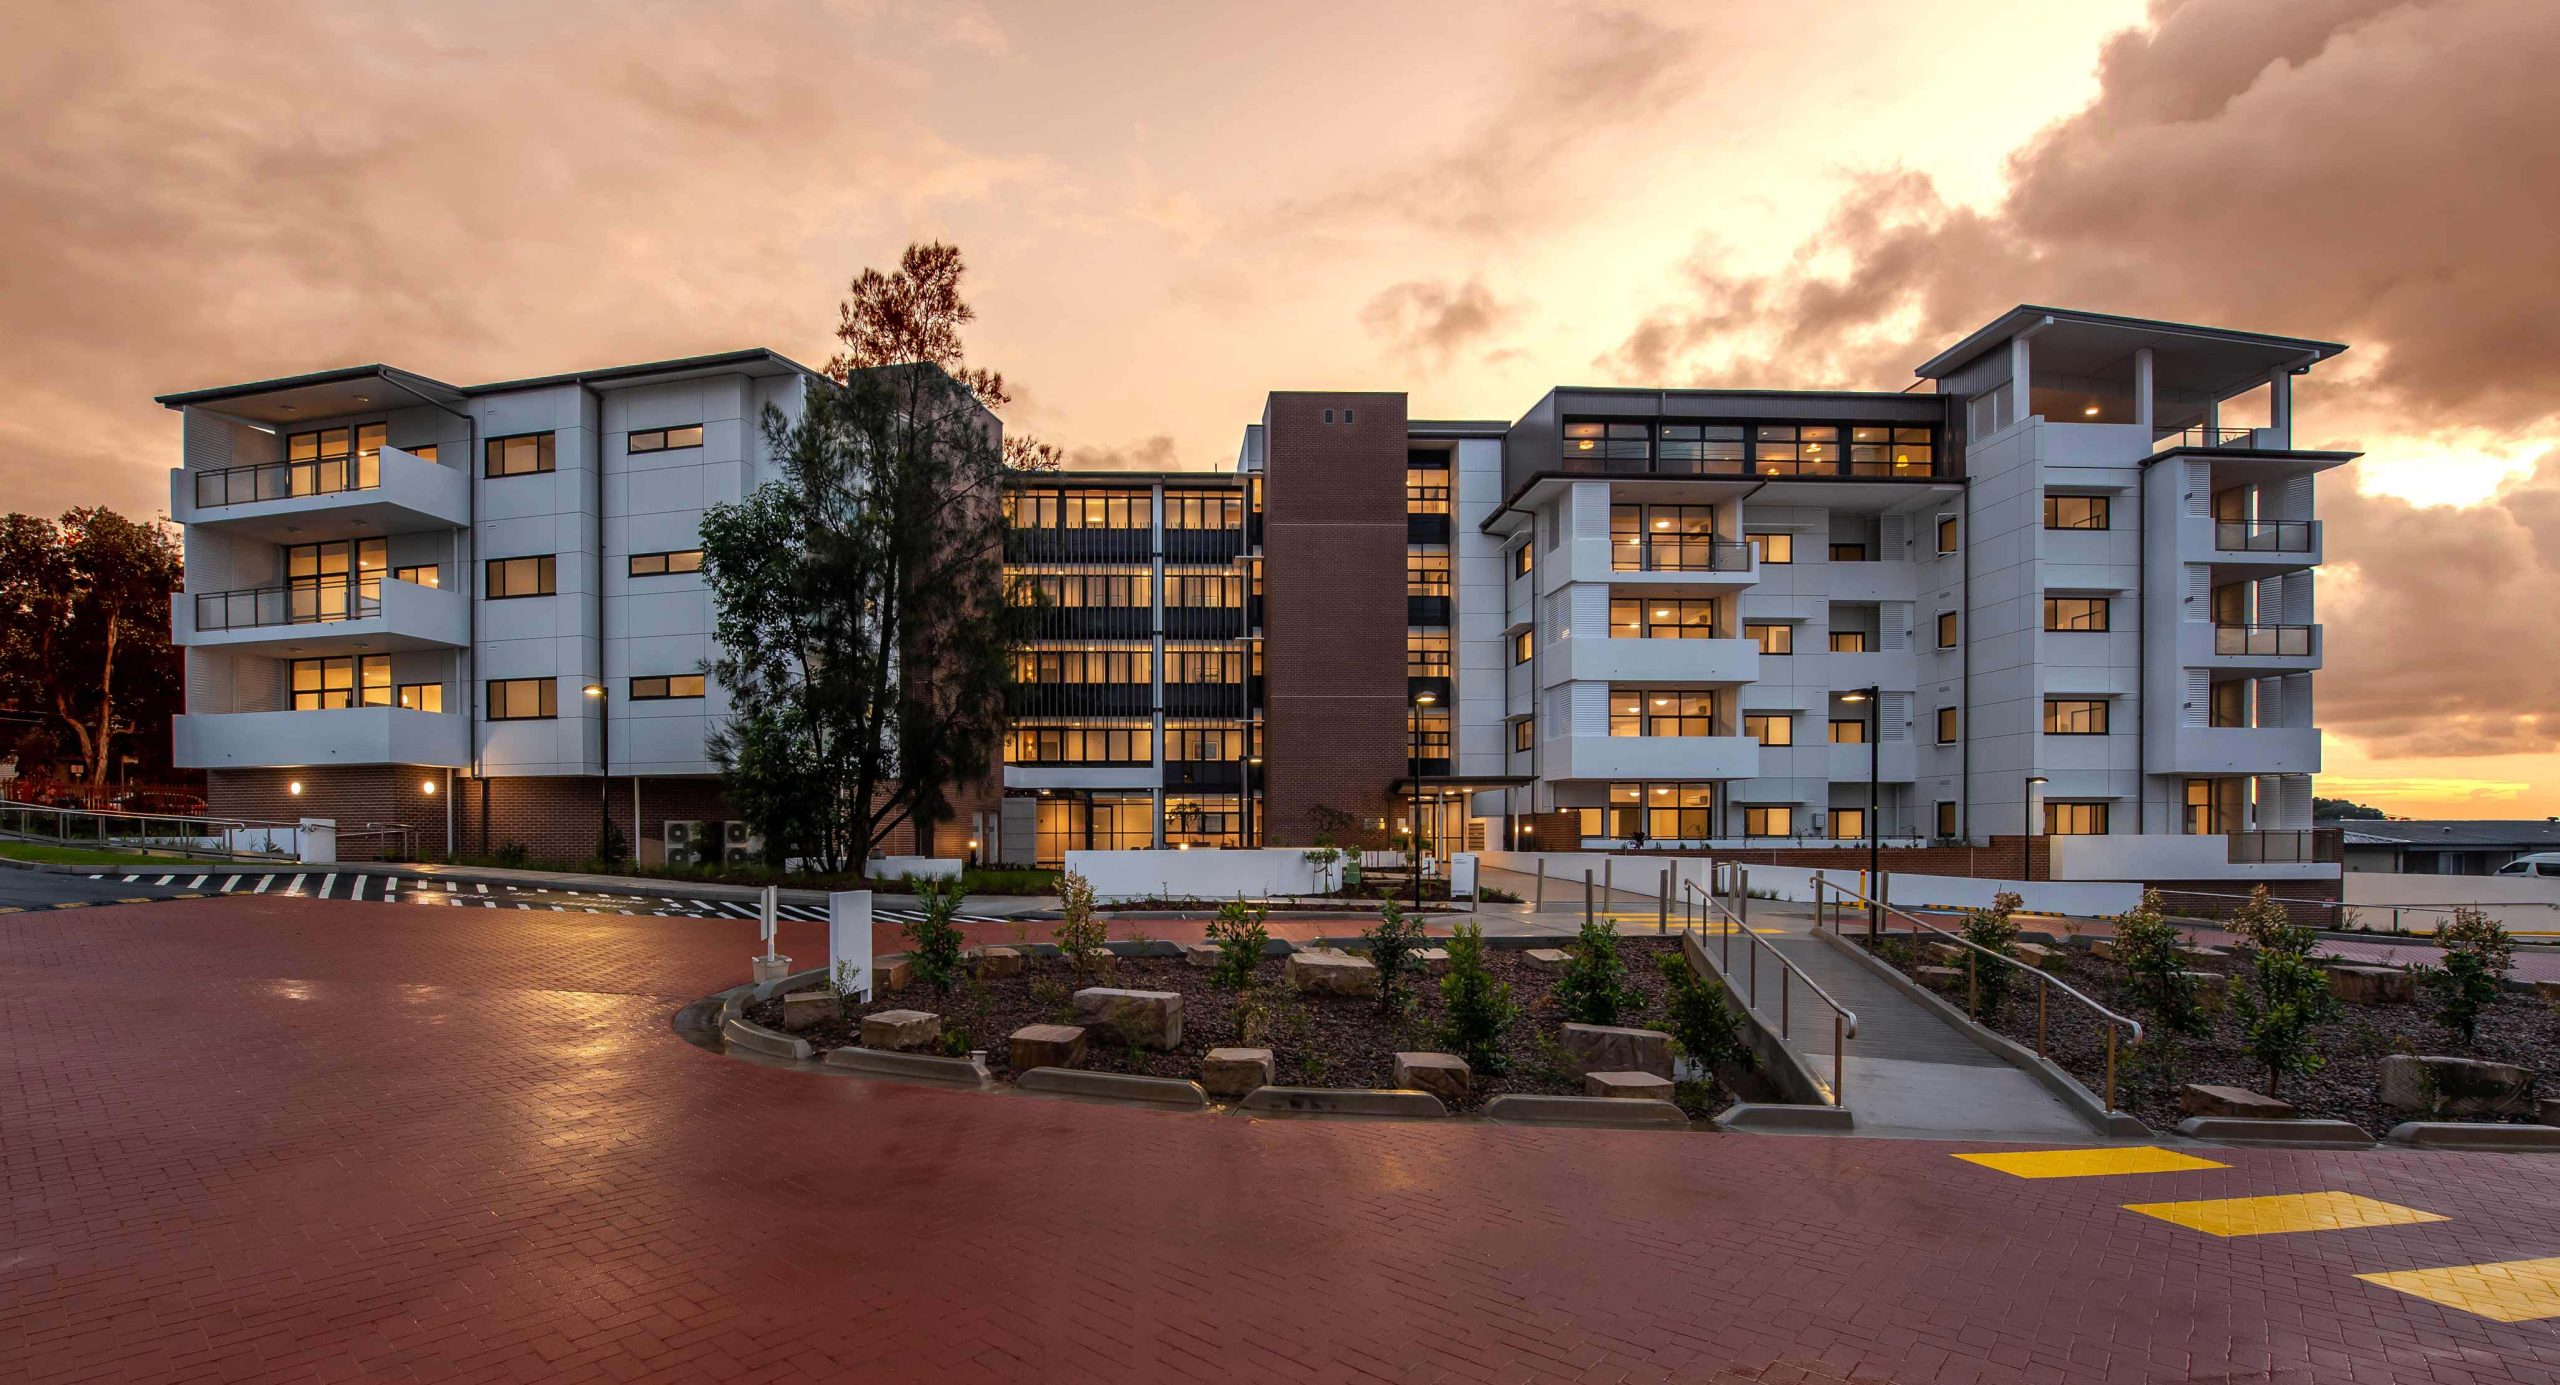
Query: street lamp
<point x="1413" y="865"/>
<point x="2027" y="820"/>
<point x="1873" y="696"/>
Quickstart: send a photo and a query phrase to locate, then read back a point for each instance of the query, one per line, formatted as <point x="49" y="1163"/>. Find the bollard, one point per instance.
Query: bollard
<point x="1542" y="883"/>
<point x="1608" y="872"/>
<point x="1586" y="899"/>
<point x="1662" y="914"/>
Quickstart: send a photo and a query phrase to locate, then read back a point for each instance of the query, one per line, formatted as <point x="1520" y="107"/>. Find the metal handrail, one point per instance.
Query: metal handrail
<point x="287" y="480"/>
<point x="323" y="600"/>
<point x="2244" y="637"/>
<point x="1972" y="976"/>
<point x="185" y="835"/>
<point x="1844" y="1021"/>
<point x="2266" y="535"/>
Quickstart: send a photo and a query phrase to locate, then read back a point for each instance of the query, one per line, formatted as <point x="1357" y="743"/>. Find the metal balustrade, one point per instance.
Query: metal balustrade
<point x="308" y="601"/>
<point x="242" y="485"/>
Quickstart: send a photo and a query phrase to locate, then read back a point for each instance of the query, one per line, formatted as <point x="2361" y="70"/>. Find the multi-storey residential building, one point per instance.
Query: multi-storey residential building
<point x="2045" y="592"/>
<point x="473" y="611"/>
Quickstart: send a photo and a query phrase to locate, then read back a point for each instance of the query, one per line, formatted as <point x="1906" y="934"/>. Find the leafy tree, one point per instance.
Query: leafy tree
<point x="914" y="314"/>
<point x="2287" y="998"/>
<point x="2335" y="809"/>
<point x="2478" y="953"/>
<point x="1993" y="930"/>
<point x="1392" y="945"/>
<point x="1241" y="936"/>
<point x="1081" y="932"/>
<point x="1477" y="1009"/>
<point x="84" y="630"/>
<point x="933" y="939"/>
<point x="2260" y="917"/>
<point x="1593" y="988"/>
<point x="2147" y="950"/>
<point x="1706" y="1030"/>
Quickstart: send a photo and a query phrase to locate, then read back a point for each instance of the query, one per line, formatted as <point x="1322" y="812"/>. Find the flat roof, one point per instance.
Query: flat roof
<point x="2481" y="833"/>
<point x="2116" y="336"/>
<point x="327" y="393"/>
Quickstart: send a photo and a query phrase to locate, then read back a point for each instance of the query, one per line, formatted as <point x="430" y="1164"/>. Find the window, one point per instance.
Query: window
<point x="1790" y="450"/>
<point x="1848" y="641"/>
<point x="1203" y="740"/>
<point x="1090" y="587"/>
<point x="514" y="577"/>
<point x="1946" y="817"/>
<point x="2075" y="819"/>
<point x="320" y="462"/>
<point x="1773" y="548"/>
<point x="1080" y="743"/>
<point x="666" y="686"/>
<point x="1203" y="588"/>
<point x="424" y="575"/>
<point x="1521" y="559"/>
<point x="1085" y="664"/>
<point x="334" y="581"/>
<point x="1107" y="509"/>
<point x="1879" y="451"/>
<point x="523" y="699"/>
<point x="1426" y="491"/>
<point x="522" y="455"/>
<point x="1769" y="728"/>
<point x="1946" y="629"/>
<point x="1947" y="726"/>
<point x="425" y="452"/>
<point x="1661" y="812"/>
<point x="1946" y="533"/>
<point x="1848" y="824"/>
<point x="1426" y="652"/>
<point x="1661" y="712"/>
<point x="2075" y="613"/>
<point x="2228" y="705"/>
<point x="666" y="564"/>
<point x="321" y="685"/>
<point x="1203" y="510"/>
<point x="1771" y="820"/>
<point x="1695" y="449"/>
<point x="1211" y="820"/>
<point x="1772" y="639"/>
<point x="1848" y="552"/>
<point x="2075" y="716"/>
<point x="2075" y="512"/>
<point x="1426" y="732"/>
<point x="420" y="697"/>
<point x="663" y="439"/>
<point x="1661" y="618"/>
<point x="1426" y="570"/>
<point x="1193" y="665"/>
<point x="1607" y="446"/>
<point x="1524" y="733"/>
<point x="1662" y="538"/>
<point x="1520" y="648"/>
<point x="1848" y="730"/>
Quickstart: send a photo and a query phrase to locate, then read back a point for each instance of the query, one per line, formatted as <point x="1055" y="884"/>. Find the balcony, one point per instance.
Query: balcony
<point x="1660" y="662"/>
<point x="2221" y="750"/>
<point x="1623" y="758"/>
<point x="1079" y="545"/>
<point x="333" y="498"/>
<point x="1680" y="553"/>
<point x="338" y="736"/>
<point x="2249" y="648"/>
<point x="334" y="614"/>
<point x="2285" y="847"/>
<point x="2260" y="546"/>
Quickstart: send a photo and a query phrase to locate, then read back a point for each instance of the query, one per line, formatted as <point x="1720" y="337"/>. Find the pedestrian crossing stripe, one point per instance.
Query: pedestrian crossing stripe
<point x="2501" y="1291"/>
<point x="2103" y="1161"/>
<point x="2282" y="1213"/>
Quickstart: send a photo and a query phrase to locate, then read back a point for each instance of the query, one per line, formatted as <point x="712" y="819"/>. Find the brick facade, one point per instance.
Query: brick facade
<point x="352" y="794"/>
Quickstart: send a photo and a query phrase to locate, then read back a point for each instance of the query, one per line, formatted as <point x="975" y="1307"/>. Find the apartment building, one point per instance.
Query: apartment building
<point x="2057" y="588"/>
<point x="473" y="611"/>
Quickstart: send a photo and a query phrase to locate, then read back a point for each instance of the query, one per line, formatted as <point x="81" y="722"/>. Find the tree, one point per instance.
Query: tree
<point x="84" y="628"/>
<point x="2478" y="954"/>
<point x="2286" y="1000"/>
<point x="1477" y="1010"/>
<point x="2335" y="809"/>
<point x="1392" y="947"/>
<point x="2148" y="948"/>
<point x="860" y="610"/>
<point x="914" y="314"/>
<point x="1594" y="987"/>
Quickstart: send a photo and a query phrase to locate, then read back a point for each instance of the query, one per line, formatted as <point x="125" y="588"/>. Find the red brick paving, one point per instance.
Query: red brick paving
<point x="302" y="1140"/>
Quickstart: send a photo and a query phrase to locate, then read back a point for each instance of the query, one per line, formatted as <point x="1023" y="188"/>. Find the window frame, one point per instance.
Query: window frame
<point x="666" y="559"/>
<point x="1766" y="543"/>
<point x="2101" y="506"/>
<point x="434" y="572"/>
<point x="1784" y="819"/>
<point x="546" y="699"/>
<point x="1522" y="648"/>
<point x="1767" y="720"/>
<point x="2054" y="726"/>
<point x="2102" y="605"/>
<point x="1524" y="734"/>
<point x="663" y="687"/>
<point x="2070" y="817"/>
<point x="546" y="455"/>
<point x="357" y="668"/>
<point x="546" y="570"/>
<point x="664" y="439"/>
<point x="1950" y="629"/>
<point x="1783" y="632"/>
<point x="1950" y="534"/>
<point x="1950" y="725"/>
<point x="401" y="691"/>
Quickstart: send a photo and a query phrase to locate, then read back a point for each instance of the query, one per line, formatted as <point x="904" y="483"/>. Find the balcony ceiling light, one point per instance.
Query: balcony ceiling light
<point x="1662" y="615"/>
<point x="2091" y="411"/>
<point x="1662" y="524"/>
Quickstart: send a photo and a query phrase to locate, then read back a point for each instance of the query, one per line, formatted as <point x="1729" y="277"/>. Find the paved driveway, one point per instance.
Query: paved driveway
<point x="288" y="1139"/>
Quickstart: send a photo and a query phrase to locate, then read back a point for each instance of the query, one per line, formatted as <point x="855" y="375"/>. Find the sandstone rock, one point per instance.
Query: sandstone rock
<point x="1940" y="976"/>
<point x="904" y="1031"/>
<point x="2438" y="1087"/>
<point x="2212" y="989"/>
<point x="990" y="962"/>
<point x="1946" y="955"/>
<point x="1548" y="958"/>
<point x="1200" y="955"/>
<point x="2104" y="949"/>
<point x="2036" y="955"/>
<point x="2547" y="991"/>
<point x="1444" y="1075"/>
<point x="1145" y="1019"/>
<point x="1047" y="1046"/>
<point x="2198" y="1099"/>
<point x="1610" y="1048"/>
<point x="893" y="976"/>
<point x="1434" y="961"/>
<point x="2372" y="985"/>
<point x="1231" y="1072"/>
<point x="1631" y="1086"/>
<point x="2203" y="954"/>
<point x="1330" y="972"/>
<point x="808" y="1009"/>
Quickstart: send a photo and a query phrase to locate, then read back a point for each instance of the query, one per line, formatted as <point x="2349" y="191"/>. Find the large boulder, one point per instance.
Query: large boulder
<point x="1047" y="1046"/>
<point x="2212" y="989"/>
<point x="2459" y="1088"/>
<point x="1627" y="1086"/>
<point x="808" y="1009"/>
<point x="992" y="962"/>
<point x="1329" y="972"/>
<point x="1141" y="1019"/>
<point x="1200" y="955"/>
<point x="2372" y="985"/>
<point x="1228" y="1073"/>
<point x="1548" y="958"/>
<point x="2198" y="1099"/>
<point x="1444" y="1075"/>
<point x="1434" y="961"/>
<point x="2036" y="955"/>
<point x="904" y="1031"/>
<point x="1610" y="1048"/>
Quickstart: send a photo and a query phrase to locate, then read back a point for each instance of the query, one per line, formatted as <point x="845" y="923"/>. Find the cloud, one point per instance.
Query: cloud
<point x="1427" y="322"/>
<point x="1149" y="454"/>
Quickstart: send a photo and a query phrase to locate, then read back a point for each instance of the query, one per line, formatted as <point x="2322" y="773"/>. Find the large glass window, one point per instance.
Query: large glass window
<point x="1661" y="618"/>
<point x="1849" y="730"/>
<point x="1773" y="548"/>
<point x="1202" y="588"/>
<point x="514" y="577"/>
<point x="1607" y="446"/>
<point x="523" y="699"/>
<point x="1081" y="743"/>
<point x="1193" y="664"/>
<point x="1695" y="449"/>
<point x="1426" y="651"/>
<point x="334" y="581"/>
<point x="1883" y="451"/>
<point x="1768" y="820"/>
<point x="1426" y="570"/>
<point x="1849" y="642"/>
<point x="1203" y="510"/>
<point x="2075" y="716"/>
<point x="1203" y="820"/>
<point x="2075" y="613"/>
<point x="1770" y="728"/>
<point x="522" y="455"/>
<point x="1426" y="490"/>
<point x="1204" y="740"/>
<point x="1661" y="812"/>
<point x="2075" y="819"/>
<point x="1788" y="449"/>
<point x="1662" y="538"/>
<point x="1661" y="712"/>
<point x="1085" y="664"/>
<point x="1772" y="639"/>
<point x="1848" y="824"/>
<point x="2075" y="512"/>
<point x="419" y="697"/>
<point x="334" y="459"/>
<point x="666" y="564"/>
<point x="1107" y="509"/>
<point x="353" y="681"/>
<point x="666" y="687"/>
<point x="664" y="439"/>
<point x="1083" y="587"/>
<point x="1426" y="732"/>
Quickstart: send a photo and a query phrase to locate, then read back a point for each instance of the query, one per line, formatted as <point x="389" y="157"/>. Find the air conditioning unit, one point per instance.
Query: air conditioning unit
<point x="689" y="843"/>
<point x="739" y="843"/>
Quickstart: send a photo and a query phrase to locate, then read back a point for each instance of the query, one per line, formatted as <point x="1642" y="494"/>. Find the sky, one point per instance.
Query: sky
<point x="1170" y="210"/>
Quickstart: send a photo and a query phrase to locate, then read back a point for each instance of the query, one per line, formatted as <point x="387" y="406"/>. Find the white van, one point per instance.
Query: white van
<point x="2544" y="864"/>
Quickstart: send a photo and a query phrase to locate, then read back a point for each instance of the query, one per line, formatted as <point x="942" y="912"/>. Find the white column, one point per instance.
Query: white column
<point x="2280" y="407"/>
<point x="2142" y="387"/>
<point x="2022" y="376"/>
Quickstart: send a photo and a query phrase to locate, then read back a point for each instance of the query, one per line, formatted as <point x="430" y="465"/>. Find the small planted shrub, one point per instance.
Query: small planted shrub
<point x="1700" y="1023"/>
<point x="2286" y="999"/>
<point x="1081" y="932"/>
<point x="2478" y="953"/>
<point x="1594" y="988"/>
<point x="514" y="855"/>
<point x="1240" y="934"/>
<point x="2259" y="918"/>
<point x="846" y="986"/>
<point x="1391" y="946"/>
<point x="1993" y="930"/>
<point x="933" y="940"/>
<point x="2147" y="953"/>
<point x="1477" y="1008"/>
<point x="1495" y="894"/>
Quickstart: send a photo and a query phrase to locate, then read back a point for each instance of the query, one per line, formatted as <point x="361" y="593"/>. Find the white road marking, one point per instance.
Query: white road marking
<point x="163" y="880"/>
<point x="356" y="890"/>
<point x="97" y="877"/>
<point x="295" y="887"/>
<point x="452" y="888"/>
<point x="198" y="882"/>
<point x="522" y="905"/>
<point x="328" y="884"/>
<point x="481" y="888"/>
<point x="231" y="884"/>
<point x="263" y="882"/>
<point x="131" y="878"/>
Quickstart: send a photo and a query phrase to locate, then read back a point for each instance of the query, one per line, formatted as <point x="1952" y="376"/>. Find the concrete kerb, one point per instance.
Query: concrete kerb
<point x="1773" y="1118"/>
<point x="755" y="1038"/>
<point x="2469" y="1135"/>
<point x="1172" y="1092"/>
<point x="1611" y="1112"/>
<point x="911" y="1067"/>
<point x="1388" y="1102"/>
<point x="2291" y="1134"/>
<point x="2080" y="1099"/>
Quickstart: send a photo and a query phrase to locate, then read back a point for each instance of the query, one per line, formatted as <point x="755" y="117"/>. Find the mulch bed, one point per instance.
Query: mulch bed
<point x="1317" y="1041"/>
<point x="2519" y="1029"/>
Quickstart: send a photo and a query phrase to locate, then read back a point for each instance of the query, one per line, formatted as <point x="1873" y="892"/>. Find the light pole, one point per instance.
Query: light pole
<point x="1413" y="864"/>
<point x="2027" y="821"/>
<point x="1873" y="696"/>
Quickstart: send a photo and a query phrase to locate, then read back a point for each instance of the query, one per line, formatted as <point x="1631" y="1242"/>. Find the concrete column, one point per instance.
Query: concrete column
<point x="2280" y="407"/>
<point x="2021" y="377"/>
<point x="2142" y="387"/>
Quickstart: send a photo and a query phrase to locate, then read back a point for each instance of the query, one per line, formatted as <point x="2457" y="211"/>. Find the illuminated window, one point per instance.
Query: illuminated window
<point x="1426" y="491"/>
<point x="321" y="685"/>
<point x="1524" y="733"/>
<point x="523" y="699"/>
<point x="1946" y="817"/>
<point x="1882" y="451"/>
<point x="1203" y="588"/>
<point x="666" y="687"/>
<point x="1522" y="560"/>
<point x="1662" y="538"/>
<point x="514" y="577"/>
<point x="1520" y="648"/>
<point x="1696" y="449"/>
<point x="1946" y="629"/>
<point x="1187" y="665"/>
<point x="1770" y="728"/>
<point x="419" y="697"/>
<point x="1772" y="639"/>
<point x="1085" y="664"/>
<point x="1946" y="726"/>
<point x="1773" y="548"/>
<point x="1661" y="618"/>
<point x="523" y="455"/>
<point x="1426" y="652"/>
<point x="1946" y="533"/>
<point x="2075" y="819"/>
<point x="2075" y="512"/>
<point x="666" y="564"/>
<point x="2075" y="613"/>
<point x="1848" y="824"/>
<point x="1426" y="570"/>
<point x="1203" y="510"/>
<point x="2075" y="716"/>
<point x="1795" y="450"/>
<point x="1204" y="740"/>
<point x="1081" y="743"/>
<point x="1848" y="641"/>
<point x="425" y="575"/>
<point x="1661" y="712"/>
<point x="1606" y="447"/>
<point x="1848" y="730"/>
<point x="1768" y="820"/>
<point x="1087" y="587"/>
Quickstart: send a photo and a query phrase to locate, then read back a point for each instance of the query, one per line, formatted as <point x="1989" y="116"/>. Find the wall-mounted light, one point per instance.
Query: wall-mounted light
<point x="593" y="690"/>
<point x="427" y="787"/>
<point x="294" y="788"/>
<point x="2090" y="412"/>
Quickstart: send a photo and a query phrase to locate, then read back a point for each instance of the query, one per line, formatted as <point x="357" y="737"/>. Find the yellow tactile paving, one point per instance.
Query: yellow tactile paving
<point x="2505" y="1291"/>
<point x="2090" y="1163"/>
<point x="2269" y="1216"/>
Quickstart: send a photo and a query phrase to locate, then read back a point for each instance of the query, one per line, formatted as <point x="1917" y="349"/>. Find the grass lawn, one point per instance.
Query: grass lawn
<point x="78" y="855"/>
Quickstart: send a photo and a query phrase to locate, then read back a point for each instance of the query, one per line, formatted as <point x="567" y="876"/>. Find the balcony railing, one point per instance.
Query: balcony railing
<point x="240" y="485"/>
<point x="2266" y="535"/>
<point x="1674" y="553"/>
<point x="2281" y="640"/>
<point x="2281" y="847"/>
<point x="2206" y="438"/>
<point x="309" y="602"/>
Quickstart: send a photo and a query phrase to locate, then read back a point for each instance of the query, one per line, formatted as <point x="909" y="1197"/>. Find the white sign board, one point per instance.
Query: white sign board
<point x="1462" y="875"/>
<point x="849" y="937"/>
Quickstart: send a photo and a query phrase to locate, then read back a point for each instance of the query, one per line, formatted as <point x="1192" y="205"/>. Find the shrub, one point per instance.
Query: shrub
<point x="2477" y="956"/>
<point x="1240" y="935"/>
<point x="1700" y="1023"/>
<point x="1593" y="988"/>
<point x="933" y="940"/>
<point x="2147" y="952"/>
<point x="1993" y="930"/>
<point x="1326" y="859"/>
<point x="611" y="847"/>
<point x="1080" y="933"/>
<point x="1495" y="894"/>
<point x="1478" y="1008"/>
<point x="2286" y="998"/>
<point x="2259" y="918"/>
<point x="846" y="986"/>
<point x="1391" y="947"/>
<point x="514" y="855"/>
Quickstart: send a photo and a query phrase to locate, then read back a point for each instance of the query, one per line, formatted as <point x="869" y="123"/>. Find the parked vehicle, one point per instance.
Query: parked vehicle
<point x="160" y="802"/>
<point x="2540" y="864"/>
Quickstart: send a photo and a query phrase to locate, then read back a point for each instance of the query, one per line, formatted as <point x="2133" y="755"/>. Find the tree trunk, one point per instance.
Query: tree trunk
<point x="106" y="705"/>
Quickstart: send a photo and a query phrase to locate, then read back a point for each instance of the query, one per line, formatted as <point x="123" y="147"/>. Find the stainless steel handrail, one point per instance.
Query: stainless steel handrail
<point x="1844" y="1021"/>
<point x="1972" y="976"/>
<point x="167" y="832"/>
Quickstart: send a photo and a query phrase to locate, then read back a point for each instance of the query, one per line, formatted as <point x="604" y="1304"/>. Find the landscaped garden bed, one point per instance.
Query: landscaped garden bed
<point x="2349" y="1044"/>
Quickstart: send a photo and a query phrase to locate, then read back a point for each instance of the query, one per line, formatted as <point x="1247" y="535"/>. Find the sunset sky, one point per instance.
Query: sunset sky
<point x="1171" y="210"/>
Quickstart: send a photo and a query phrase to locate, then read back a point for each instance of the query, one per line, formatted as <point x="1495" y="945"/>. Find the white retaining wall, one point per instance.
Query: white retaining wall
<point x="2425" y="900"/>
<point x="1213" y="874"/>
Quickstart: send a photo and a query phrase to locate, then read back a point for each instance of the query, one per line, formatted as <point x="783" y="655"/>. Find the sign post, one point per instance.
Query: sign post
<point x="849" y="940"/>
<point x="770" y="966"/>
<point x="1462" y="875"/>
